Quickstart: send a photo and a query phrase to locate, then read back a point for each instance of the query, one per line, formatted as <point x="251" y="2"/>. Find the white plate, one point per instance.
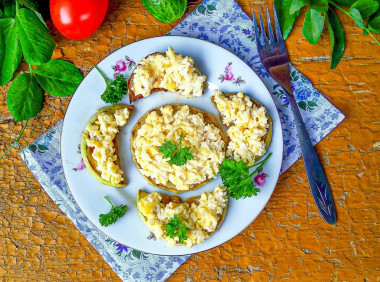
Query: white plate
<point x="88" y="192"/>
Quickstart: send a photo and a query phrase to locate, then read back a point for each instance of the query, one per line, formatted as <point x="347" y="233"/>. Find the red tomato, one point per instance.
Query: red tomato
<point x="77" y="19"/>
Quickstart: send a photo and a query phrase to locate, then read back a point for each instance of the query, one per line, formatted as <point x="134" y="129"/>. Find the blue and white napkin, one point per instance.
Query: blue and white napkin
<point x="222" y="22"/>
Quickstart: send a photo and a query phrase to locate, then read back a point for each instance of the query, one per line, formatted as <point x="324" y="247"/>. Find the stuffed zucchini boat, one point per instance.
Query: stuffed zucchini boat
<point x="202" y="215"/>
<point x="99" y="147"/>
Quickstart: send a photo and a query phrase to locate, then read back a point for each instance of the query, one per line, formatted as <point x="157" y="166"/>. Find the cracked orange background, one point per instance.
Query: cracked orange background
<point x="288" y="240"/>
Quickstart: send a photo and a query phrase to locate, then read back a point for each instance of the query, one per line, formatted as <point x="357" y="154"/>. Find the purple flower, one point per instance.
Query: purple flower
<point x="260" y="179"/>
<point x="120" y="248"/>
<point x="81" y="166"/>
<point x="120" y="66"/>
<point x="246" y="31"/>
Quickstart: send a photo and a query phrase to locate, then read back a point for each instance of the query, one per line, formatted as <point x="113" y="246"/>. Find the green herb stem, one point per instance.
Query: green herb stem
<point x="108" y="200"/>
<point x="105" y="78"/>
<point x="16" y="142"/>
<point x="10" y="139"/>
<point x="348" y="14"/>
<point x="261" y="164"/>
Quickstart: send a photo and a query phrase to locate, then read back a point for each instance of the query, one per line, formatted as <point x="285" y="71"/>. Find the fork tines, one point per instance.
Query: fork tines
<point x="261" y="34"/>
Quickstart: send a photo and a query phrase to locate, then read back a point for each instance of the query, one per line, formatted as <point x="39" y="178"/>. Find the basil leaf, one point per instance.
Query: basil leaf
<point x="285" y="18"/>
<point x="366" y="7"/>
<point x="374" y="24"/>
<point x="346" y="3"/>
<point x="24" y="97"/>
<point x="39" y="16"/>
<point x="10" y="48"/>
<point x="320" y="5"/>
<point x="313" y="26"/>
<point x="58" y="78"/>
<point x="36" y="42"/>
<point x="296" y="5"/>
<point x="336" y="38"/>
<point x="355" y="14"/>
<point x="31" y="4"/>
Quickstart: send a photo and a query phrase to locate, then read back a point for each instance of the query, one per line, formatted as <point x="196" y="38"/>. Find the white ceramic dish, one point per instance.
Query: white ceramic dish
<point x="129" y="230"/>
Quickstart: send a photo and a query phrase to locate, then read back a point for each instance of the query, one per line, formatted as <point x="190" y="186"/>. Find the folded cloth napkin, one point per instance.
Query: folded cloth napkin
<point x="224" y="23"/>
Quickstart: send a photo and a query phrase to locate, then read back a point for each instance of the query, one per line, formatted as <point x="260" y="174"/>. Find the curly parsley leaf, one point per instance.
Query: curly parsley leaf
<point x="236" y="177"/>
<point x="115" y="90"/>
<point x="178" y="155"/>
<point x="174" y="228"/>
<point x="115" y="213"/>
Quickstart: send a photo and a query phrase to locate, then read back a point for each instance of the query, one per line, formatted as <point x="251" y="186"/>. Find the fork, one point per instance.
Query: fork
<point x="275" y="59"/>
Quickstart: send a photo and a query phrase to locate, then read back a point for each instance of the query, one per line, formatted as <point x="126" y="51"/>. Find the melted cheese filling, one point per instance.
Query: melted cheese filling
<point x="172" y="71"/>
<point x="201" y="217"/>
<point x="101" y="135"/>
<point x="204" y="141"/>
<point x="247" y="123"/>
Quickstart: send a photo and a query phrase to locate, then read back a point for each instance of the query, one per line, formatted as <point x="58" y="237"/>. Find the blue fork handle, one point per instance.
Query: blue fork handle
<point x="317" y="180"/>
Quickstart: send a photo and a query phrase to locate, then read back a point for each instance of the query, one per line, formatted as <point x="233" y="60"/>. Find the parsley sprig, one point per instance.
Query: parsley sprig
<point x="178" y="155"/>
<point x="236" y="177"/>
<point x="174" y="228"/>
<point x="115" y="213"/>
<point x="115" y="90"/>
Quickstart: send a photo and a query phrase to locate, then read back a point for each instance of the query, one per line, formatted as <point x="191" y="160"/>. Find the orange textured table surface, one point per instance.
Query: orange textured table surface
<point x="288" y="240"/>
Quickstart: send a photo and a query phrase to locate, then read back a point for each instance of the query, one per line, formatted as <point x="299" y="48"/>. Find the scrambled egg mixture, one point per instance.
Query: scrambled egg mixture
<point x="171" y="71"/>
<point x="204" y="141"/>
<point x="201" y="217"/>
<point x="101" y="138"/>
<point x="247" y="125"/>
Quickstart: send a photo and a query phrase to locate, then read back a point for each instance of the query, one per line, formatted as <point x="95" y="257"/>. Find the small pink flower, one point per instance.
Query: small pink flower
<point x="229" y="76"/>
<point x="120" y="66"/>
<point x="260" y="179"/>
<point x="228" y="68"/>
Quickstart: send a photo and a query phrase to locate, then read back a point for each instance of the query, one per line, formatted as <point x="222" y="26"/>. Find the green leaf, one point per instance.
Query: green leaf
<point x="136" y="254"/>
<point x="31" y="4"/>
<point x="320" y="5"/>
<point x="366" y="7"/>
<point x="32" y="147"/>
<point x="39" y="16"/>
<point x="312" y="104"/>
<point x="355" y="14"/>
<point x="58" y="78"/>
<point x="346" y="3"/>
<point x="285" y="18"/>
<point x="37" y="44"/>
<point x="25" y="97"/>
<point x="10" y="50"/>
<point x="296" y="5"/>
<point x="302" y="105"/>
<point x="211" y="8"/>
<point x="1" y="13"/>
<point x="202" y="9"/>
<point x="336" y="38"/>
<point x="313" y="26"/>
<point x="374" y="25"/>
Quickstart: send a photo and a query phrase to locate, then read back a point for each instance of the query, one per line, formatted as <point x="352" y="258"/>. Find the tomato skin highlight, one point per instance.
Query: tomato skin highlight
<point x="78" y="19"/>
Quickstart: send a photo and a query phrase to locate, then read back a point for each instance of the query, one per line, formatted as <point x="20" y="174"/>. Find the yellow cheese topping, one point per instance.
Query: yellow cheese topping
<point x="171" y="71"/>
<point x="247" y="123"/>
<point x="101" y="137"/>
<point x="204" y="141"/>
<point x="201" y="217"/>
